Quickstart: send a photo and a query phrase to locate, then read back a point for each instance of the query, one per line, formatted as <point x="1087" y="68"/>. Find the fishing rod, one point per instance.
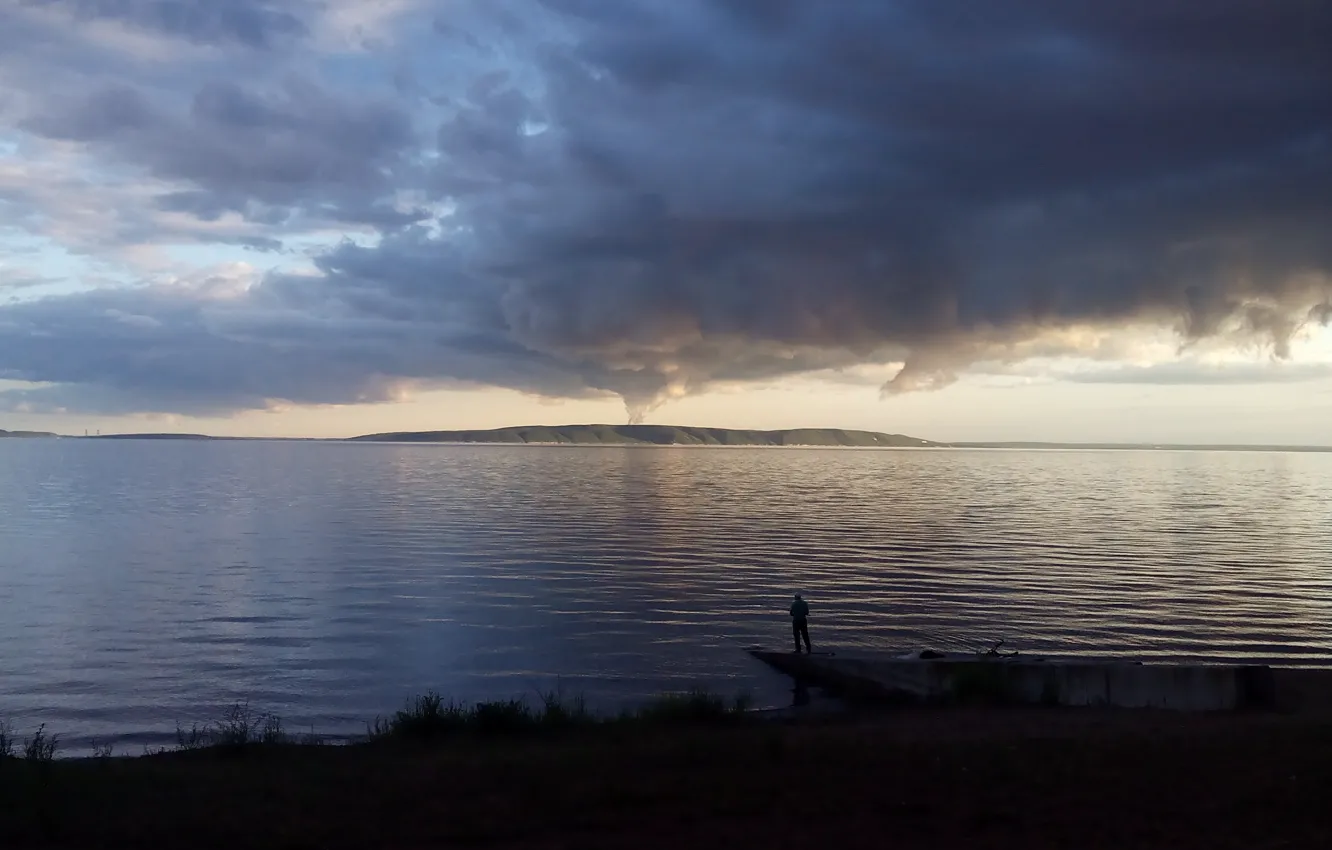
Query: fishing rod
<point x="988" y="648"/>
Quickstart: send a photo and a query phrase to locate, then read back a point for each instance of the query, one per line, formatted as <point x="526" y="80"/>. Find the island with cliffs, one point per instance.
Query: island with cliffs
<point x="686" y="435"/>
<point x="656" y="435"/>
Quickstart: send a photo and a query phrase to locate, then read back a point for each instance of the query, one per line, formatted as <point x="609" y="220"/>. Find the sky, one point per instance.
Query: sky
<point x="1035" y="220"/>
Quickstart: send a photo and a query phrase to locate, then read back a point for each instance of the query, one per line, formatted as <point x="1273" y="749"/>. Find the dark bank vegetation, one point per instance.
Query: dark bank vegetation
<point x="424" y="719"/>
<point x="695" y="770"/>
<point x="429" y="717"/>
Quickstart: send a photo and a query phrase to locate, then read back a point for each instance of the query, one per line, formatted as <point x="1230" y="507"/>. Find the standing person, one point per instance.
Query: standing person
<point x="800" y="622"/>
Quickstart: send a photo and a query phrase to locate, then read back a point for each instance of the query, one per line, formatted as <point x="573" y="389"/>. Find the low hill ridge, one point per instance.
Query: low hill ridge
<point x="660" y="435"/>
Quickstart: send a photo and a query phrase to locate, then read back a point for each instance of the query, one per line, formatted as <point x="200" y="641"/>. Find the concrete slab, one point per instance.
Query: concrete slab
<point x="1031" y="681"/>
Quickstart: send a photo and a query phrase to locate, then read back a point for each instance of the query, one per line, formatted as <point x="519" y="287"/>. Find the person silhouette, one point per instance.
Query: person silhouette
<point x="800" y="622"/>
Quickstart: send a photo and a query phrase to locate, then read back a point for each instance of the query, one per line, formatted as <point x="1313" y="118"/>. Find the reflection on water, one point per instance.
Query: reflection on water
<point x="145" y="583"/>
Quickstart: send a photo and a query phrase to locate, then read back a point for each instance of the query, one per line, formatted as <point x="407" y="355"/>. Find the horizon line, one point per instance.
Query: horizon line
<point x="927" y="443"/>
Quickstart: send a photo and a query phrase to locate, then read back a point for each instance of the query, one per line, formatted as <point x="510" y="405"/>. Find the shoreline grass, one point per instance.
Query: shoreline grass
<point x="939" y="778"/>
<point x="41" y="746"/>
<point x="429" y="717"/>
<point x="423" y="719"/>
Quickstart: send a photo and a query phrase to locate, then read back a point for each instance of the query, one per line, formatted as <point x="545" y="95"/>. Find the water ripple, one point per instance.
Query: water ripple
<point x="148" y="584"/>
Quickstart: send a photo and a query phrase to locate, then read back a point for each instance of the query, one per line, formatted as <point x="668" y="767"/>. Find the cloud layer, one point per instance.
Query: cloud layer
<point x="571" y="197"/>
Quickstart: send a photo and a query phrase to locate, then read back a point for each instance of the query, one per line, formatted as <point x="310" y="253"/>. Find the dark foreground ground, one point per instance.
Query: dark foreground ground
<point x="957" y="778"/>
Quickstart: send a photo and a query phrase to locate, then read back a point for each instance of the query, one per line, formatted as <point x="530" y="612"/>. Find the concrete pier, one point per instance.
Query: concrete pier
<point x="976" y="679"/>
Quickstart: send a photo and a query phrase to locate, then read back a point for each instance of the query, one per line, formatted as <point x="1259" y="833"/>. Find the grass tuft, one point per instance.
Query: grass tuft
<point x="424" y="718"/>
<point x="240" y="728"/>
<point x="558" y="713"/>
<point x="505" y="717"/>
<point x="693" y="706"/>
<point x="429" y="717"/>
<point x="41" y="746"/>
<point x="195" y="739"/>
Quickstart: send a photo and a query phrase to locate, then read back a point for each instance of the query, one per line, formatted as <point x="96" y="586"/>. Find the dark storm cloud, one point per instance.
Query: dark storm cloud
<point x="647" y="197"/>
<point x="936" y="181"/>
<point x="263" y="154"/>
<point x="211" y="348"/>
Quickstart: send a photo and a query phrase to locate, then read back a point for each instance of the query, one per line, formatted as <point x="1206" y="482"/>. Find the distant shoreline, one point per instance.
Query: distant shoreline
<point x="673" y="436"/>
<point x="1141" y="447"/>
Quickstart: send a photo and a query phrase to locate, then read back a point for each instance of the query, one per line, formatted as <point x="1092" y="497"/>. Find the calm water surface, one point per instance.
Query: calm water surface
<point x="144" y="584"/>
